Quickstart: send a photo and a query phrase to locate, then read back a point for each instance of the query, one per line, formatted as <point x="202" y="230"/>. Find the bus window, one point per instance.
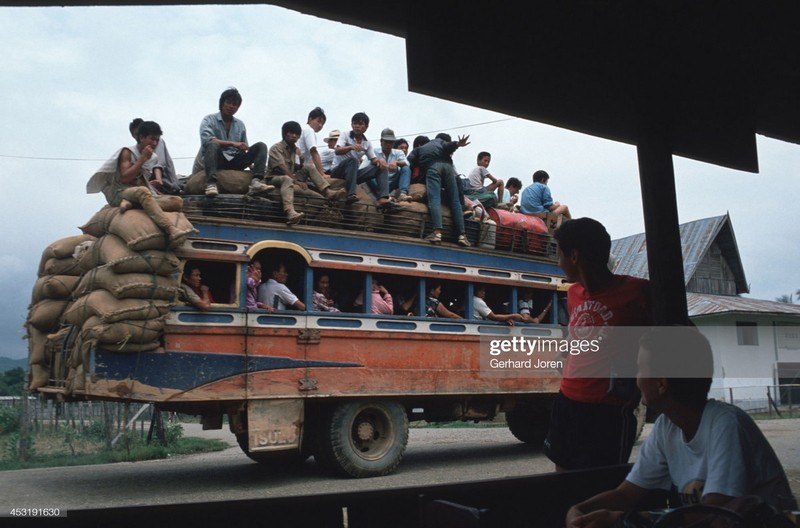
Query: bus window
<point x="342" y="288"/>
<point x="218" y="277"/>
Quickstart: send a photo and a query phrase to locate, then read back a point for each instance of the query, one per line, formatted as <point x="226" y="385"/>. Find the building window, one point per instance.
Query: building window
<point x="747" y="333"/>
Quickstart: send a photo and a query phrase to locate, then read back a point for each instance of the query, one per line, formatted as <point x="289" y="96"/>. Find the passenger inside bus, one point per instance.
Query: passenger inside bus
<point x="193" y="291"/>
<point x="217" y="277"/>
<point x="481" y="309"/>
<point x="382" y="302"/>
<point x="276" y="294"/>
<point x="434" y="306"/>
<point x="525" y="307"/>
<point x="322" y="297"/>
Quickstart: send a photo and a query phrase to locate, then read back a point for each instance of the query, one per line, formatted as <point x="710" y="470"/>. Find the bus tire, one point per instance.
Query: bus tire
<point x="529" y="424"/>
<point x="362" y="438"/>
<point x="277" y="460"/>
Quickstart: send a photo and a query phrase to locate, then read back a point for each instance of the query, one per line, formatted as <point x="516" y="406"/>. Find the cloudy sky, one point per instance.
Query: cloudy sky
<point x="73" y="78"/>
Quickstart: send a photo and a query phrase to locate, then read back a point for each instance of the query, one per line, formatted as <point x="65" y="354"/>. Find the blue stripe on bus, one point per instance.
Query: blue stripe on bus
<point x="396" y="248"/>
<point x="188" y="370"/>
<point x="198" y="317"/>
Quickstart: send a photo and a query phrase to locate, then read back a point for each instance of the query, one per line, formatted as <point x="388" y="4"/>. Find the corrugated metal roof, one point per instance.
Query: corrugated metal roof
<point x="630" y="253"/>
<point x="704" y="304"/>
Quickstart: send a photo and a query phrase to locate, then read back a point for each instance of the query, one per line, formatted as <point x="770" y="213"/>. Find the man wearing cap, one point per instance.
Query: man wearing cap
<point x="327" y="155"/>
<point x="396" y="164"/>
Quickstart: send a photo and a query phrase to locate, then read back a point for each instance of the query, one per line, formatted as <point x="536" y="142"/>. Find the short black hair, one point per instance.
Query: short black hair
<point x="400" y="142"/>
<point x="514" y="182"/>
<point x="421" y="140"/>
<point x="317" y="112"/>
<point x="444" y="136"/>
<point x="149" y="128"/>
<point x="683" y="356"/>
<point x="482" y="154"/>
<point x="231" y="94"/>
<point x="540" y="176"/>
<point x="135" y="124"/>
<point x="586" y="235"/>
<point x="360" y="117"/>
<point x="291" y="126"/>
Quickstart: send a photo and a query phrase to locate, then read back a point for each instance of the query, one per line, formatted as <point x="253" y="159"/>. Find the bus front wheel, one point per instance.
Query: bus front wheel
<point x="362" y="438"/>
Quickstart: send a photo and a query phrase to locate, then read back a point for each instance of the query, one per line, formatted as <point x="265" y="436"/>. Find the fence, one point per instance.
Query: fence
<point x="53" y="416"/>
<point x="780" y="401"/>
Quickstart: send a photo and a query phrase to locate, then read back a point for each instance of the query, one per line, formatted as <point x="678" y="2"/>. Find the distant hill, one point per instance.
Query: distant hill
<point x="8" y="364"/>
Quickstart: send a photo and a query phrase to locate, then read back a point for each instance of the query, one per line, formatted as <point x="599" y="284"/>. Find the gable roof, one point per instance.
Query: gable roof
<point x="630" y="253"/>
<point x="701" y="304"/>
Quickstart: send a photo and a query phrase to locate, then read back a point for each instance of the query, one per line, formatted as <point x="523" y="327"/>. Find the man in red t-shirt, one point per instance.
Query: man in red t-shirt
<point x="592" y="423"/>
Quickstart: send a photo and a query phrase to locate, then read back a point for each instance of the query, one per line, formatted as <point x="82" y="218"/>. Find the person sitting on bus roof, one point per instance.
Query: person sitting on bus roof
<point x="321" y="298"/>
<point x="433" y="306"/>
<point x="123" y="179"/>
<point x="477" y="176"/>
<point x="275" y="294"/>
<point x="536" y="199"/>
<point x="381" y="299"/>
<point x="253" y="281"/>
<point x="285" y="173"/>
<point x="164" y="179"/>
<point x="350" y="148"/>
<point x="482" y="311"/>
<point x="193" y="291"/>
<point x="513" y="186"/>
<point x="327" y="155"/>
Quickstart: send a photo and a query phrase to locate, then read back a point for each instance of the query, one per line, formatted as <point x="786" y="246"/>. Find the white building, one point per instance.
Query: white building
<point x="756" y="343"/>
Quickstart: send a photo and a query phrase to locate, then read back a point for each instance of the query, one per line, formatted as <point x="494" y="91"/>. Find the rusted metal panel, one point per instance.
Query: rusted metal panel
<point x="274" y="425"/>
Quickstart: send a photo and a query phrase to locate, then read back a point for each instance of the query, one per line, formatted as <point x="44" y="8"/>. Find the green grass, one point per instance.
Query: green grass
<point x="54" y="450"/>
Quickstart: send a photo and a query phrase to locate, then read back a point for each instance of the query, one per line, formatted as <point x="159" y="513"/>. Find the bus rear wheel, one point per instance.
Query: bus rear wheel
<point x="362" y="438"/>
<point x="529" y="424"/>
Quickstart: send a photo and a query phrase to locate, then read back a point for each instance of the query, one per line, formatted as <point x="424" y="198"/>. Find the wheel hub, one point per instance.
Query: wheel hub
<point x="365" y="431"/>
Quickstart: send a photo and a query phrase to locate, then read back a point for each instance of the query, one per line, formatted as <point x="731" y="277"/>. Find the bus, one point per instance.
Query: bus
<point x="341" y="386"/>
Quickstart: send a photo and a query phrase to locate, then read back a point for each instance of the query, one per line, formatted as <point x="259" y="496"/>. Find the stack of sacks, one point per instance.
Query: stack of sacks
<point x="59" y="273"/>
<point x="122" y="280"/>
<point x="358" y="216"/>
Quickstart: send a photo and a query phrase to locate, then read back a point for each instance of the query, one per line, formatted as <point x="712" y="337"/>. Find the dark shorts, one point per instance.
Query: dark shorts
<point x="587" y="435"/>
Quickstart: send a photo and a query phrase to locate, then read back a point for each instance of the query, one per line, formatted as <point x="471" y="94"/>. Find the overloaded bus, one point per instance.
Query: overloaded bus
<point x="341" y="386"/>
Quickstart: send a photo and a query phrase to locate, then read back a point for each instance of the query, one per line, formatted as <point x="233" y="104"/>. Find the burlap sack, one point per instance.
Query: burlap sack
<point x="110" y="309"/>
<point x="38" y="376"/>
<point x="45" y="315"/>
<point x="122" y="332"/>
<point x="128" y="285"/>
<point x="98" y="224"/>
<point x="62" y="266"/>
<point x="62" y="248"/>
<point x="140" y="232"/>
<point x="418" y="192"/>
<point x="112" y="251"/>
<point x="59" y="286"/>
<point x="228" y="182"/>
<point x="408" y="220"/>
<point x="36" y="346"/>
<point x="37" y="293"/>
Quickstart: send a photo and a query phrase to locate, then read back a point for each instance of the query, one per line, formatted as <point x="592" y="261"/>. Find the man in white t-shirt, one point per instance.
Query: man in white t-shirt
<point x="275" y="294"/>
<point x="481" y="310"/>
<point x="307" y="143"/>
<point x="480" y="173"/>
<point x="710" y="452"/>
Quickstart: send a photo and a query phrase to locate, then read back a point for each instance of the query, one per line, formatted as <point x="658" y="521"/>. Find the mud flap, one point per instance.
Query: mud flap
<point x="274" y="425"/>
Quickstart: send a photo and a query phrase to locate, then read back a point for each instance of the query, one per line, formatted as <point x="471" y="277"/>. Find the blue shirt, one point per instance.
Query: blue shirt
<point x="394" y="156"/>
<point x="535" y="198"/>
<point x="212" y="127"/>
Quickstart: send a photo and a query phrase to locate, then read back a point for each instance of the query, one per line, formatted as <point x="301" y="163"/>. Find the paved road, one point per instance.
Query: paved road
<point x="433" y="456"/>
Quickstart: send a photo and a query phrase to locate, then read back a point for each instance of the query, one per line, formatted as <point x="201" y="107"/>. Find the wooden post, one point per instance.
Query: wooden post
<point x="660" y="210"/>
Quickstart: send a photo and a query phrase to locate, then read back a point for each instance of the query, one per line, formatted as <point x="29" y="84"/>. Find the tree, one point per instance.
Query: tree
<point x="12" y="382"/>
